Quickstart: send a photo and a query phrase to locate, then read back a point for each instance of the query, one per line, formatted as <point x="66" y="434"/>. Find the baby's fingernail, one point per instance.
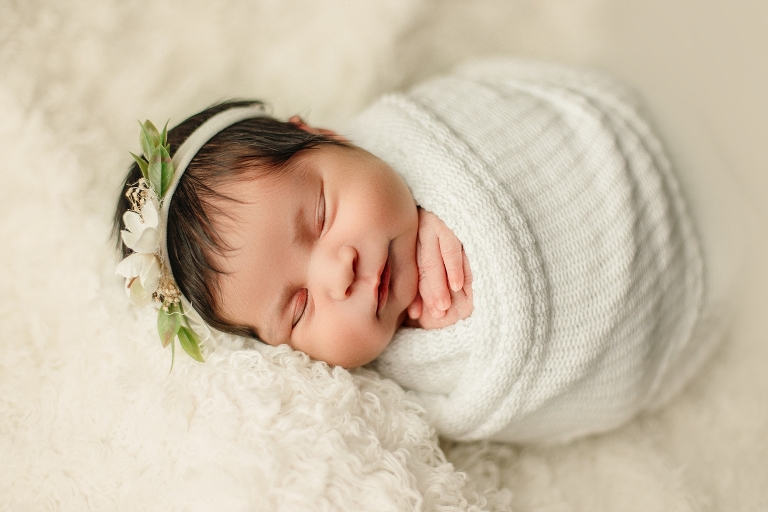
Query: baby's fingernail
<point x="455" y="286"/>
<point x="443" y="304"/>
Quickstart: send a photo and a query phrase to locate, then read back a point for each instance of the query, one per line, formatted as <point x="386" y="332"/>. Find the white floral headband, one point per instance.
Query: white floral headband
<point x="147" y="270"/>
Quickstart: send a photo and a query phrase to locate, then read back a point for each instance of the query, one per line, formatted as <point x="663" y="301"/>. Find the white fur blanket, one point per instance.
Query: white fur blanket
<point x="90" y="419"/>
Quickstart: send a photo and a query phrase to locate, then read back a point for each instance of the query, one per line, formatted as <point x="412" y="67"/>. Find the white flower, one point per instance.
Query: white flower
<point x="142" y="275"/>
<point x="141" y="233"/>
<point x="141" y="269"/>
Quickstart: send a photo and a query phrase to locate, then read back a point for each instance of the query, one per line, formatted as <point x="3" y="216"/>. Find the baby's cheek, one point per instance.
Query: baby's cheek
<point x="366" y="344"/>
<point x="333" y="341"/>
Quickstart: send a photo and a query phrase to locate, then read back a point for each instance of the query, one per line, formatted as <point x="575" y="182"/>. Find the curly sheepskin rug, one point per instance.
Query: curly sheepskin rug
<point x="91" y="418"/>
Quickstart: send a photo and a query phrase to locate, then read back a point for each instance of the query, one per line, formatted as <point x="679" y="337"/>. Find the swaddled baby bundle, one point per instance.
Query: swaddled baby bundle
<point x="588" y="277"/>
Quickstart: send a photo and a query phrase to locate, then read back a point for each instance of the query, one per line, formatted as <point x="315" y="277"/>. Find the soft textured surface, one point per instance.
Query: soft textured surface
<point x="90" y="418"/>
<point x="588" y="281"/>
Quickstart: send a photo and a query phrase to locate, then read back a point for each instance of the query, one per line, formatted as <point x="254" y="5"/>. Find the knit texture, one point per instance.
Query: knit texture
<point x="588" y="278"/>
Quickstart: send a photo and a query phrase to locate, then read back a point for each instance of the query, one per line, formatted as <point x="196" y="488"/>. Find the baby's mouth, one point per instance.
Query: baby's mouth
<point x="383" y="286"/>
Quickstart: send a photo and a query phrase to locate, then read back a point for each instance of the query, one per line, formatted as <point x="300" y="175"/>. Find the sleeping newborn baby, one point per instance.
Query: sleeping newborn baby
<point x="507" y="241"/>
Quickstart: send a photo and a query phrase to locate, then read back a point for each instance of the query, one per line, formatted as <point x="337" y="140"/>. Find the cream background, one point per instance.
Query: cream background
<point x="79" y="367"/>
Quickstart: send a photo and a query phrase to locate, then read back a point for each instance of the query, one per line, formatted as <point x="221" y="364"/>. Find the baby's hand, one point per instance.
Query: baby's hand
<point x="445" y="280"/>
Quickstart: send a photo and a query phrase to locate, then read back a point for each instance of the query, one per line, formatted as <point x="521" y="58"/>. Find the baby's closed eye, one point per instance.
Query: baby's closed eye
<point x="299" y="306"/>
<point x="321" y="213"/>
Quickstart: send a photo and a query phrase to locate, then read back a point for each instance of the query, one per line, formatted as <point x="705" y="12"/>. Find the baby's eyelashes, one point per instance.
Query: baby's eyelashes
<point x="321" y="214"/>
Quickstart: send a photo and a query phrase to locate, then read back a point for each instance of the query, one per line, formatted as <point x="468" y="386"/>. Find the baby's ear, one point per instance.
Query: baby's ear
<point x="299" y="123"/>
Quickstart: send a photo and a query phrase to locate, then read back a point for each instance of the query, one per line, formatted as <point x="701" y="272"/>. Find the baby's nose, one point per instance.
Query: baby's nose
<point x="340" y="273"/>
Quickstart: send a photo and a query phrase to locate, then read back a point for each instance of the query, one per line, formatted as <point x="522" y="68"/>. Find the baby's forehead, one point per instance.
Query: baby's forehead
<point x="266" y="211"/>
<point x="266" y="182"/>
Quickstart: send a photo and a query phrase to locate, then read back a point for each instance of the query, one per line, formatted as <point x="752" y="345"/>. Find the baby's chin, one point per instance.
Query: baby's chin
<point x="385" y="341"/>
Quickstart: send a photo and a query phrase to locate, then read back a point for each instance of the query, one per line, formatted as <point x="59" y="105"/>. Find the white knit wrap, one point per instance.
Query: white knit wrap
<point x="588" y="278"/>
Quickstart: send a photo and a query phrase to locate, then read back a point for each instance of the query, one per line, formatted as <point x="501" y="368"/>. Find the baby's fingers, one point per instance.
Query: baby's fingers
<point x="467" y="277"/>
<point x="415" y="308"/>
<point x="433" y="285"/>
<point x="453" y="259"/>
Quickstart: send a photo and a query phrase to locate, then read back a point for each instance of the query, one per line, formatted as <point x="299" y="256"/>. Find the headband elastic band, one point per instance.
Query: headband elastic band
<point x="187" y="151"/>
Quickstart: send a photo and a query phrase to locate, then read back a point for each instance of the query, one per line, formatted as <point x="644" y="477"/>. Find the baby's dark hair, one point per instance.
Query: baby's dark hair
<point x="258" y="145"/>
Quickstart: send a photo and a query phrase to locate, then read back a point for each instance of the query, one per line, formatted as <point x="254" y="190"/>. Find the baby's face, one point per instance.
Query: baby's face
<point x="323" y="256"/>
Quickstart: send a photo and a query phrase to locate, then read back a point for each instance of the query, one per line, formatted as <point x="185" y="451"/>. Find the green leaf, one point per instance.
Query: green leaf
<point x="145" y="140"/>
<point x="168" y="323"/>
<point x="143" y="165"/>
<point x="164" y="136"/>
<point x="156" y="172"/>
<point x="149" y="138"/>
<point x="166" y="171"/>
<point x="190" y="343"/>
<point x="154" y="135"/>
